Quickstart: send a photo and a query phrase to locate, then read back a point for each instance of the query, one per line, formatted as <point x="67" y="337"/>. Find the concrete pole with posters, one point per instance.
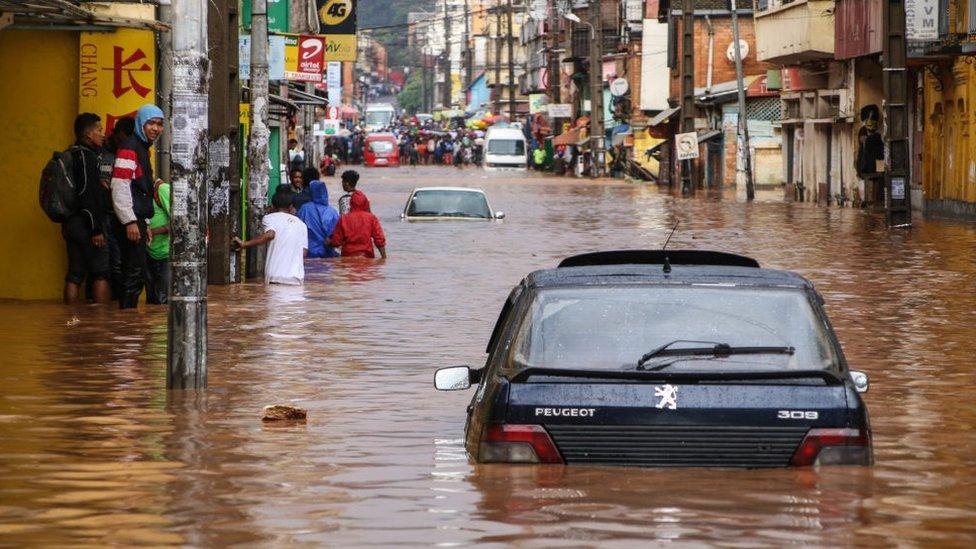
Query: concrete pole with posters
<point x="186" y="351"/>
<point x="689" y="171"/>
<point x="258" y="143"/>
<point x="743" y="120"/>
<point x="510" y="38"/>
<point x="596" y="90"/>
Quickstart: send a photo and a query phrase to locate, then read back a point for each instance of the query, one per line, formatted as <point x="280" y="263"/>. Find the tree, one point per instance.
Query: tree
<point x="409" y="97"/>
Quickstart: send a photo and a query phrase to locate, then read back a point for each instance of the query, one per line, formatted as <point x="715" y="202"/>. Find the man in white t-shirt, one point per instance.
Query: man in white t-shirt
<point x="288" y="242"/>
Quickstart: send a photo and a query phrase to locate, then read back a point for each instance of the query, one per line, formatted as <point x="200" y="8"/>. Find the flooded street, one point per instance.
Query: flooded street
<point x="93" y="449"/>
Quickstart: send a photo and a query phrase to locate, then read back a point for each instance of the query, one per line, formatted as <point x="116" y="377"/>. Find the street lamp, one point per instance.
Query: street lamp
<point x="570" y="16"/>
<point x="596" y="90"/>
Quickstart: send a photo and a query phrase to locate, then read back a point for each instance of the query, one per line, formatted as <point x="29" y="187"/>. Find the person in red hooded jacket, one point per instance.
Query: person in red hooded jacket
<point x="358" y="230"/>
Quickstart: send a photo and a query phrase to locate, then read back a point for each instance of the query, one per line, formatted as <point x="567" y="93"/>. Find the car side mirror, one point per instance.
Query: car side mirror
<point x="499" y="215"/>
<point x="455" y="378"/>
<point x="860" y="380"/>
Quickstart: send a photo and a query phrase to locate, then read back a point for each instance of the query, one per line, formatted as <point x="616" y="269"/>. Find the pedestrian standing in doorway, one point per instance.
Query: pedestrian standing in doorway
<point x="83" y="231"/>
<point x="132" y="202"/>
<point x="157" y="264"/>
<point x="287" y="239"/>
<point x="359" y="230"/>
<point x="123" y="129"/>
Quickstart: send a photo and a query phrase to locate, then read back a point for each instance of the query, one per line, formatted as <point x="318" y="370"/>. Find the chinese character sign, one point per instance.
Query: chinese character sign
<point x="117" y="73"/>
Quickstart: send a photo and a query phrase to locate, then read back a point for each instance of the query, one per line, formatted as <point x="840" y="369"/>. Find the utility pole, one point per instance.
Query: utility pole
<point x="257" y="148"/>
<point x="553" y="72"/>
<point x="596" y="90"/>
<point x="309" y="146"/>
<point x="447" y="57"/>
<point x="511" y="63"/>
<point x="186" y="349"/>
<point x="895" y="78"/>
<point x="689" y="173"/>
<point x="498" y="56"/>
<point x="466" y="49"/>
<point x="743" y="121"/>
<point x="223" y="175"/>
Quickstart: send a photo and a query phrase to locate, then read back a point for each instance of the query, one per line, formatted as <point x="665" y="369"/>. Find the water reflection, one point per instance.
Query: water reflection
<point x="93" y="450"/>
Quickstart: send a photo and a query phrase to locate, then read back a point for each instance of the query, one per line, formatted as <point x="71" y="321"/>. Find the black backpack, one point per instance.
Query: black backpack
<point x="58" y="194"/>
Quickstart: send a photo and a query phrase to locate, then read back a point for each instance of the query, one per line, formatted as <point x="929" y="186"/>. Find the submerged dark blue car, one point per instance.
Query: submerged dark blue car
<point x="677" y="358"/>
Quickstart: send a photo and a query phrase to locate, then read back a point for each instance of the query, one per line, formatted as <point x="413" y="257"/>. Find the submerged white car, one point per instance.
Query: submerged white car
<point x="449" y="203"/>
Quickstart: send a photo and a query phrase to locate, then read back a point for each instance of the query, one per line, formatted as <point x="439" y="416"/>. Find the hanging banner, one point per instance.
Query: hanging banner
<point x="304" y="60"/>
<point x="537" y="103"/>
<point x="922" y="20"/>
<point x="337" y="22"/>
<point x="276" y="57"/>
<point x="333" y="81"/>
<point x="277" y="15"/>
<point x="117" y="70"/>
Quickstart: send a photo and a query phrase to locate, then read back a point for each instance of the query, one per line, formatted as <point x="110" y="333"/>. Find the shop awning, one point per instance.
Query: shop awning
<point x="567" y="138"/>
<point x="58" y="14"/>
<point x="302" y="98"/>
<point x="664" y="116"/>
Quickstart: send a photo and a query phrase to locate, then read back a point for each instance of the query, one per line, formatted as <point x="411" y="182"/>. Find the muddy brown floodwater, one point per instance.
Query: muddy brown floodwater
<point x="93" y="449"/>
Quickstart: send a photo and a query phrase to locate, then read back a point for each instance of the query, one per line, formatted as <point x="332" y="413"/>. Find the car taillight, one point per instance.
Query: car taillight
<point x="518" y="444"/>
<point x="834" y="447"/>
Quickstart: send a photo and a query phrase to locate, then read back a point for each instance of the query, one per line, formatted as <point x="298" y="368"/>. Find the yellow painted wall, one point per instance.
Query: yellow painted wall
<point x="38" y="103"/>
<point x="949" y="152"/>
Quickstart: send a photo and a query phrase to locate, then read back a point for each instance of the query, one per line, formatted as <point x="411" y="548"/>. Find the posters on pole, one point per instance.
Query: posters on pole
<point x="686" y="145"/>
<point x="117" y="70"/>
<point x="922" y="20"/>
<point x="276" y="57"/>
<point x="337" y="22"/>
<point x="304" y="58"/>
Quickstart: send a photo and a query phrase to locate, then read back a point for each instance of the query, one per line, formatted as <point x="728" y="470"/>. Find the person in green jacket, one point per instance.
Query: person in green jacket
<point x="158" y="268"/>
<point x="539" y="157"/>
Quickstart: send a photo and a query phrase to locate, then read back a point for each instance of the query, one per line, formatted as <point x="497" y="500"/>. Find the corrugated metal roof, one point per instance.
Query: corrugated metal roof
<point x="67" y="12"/>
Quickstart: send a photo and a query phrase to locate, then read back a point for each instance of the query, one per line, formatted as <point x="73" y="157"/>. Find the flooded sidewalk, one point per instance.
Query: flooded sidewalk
<point x="94" y="450"/>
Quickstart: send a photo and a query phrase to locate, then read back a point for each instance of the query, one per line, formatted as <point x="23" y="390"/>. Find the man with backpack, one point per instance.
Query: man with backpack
<point x="132" y="201"/>
<point x="82" y="229"/>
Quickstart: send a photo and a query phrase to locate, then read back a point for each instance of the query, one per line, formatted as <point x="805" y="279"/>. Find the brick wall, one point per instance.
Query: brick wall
<point x="723" y="70"/>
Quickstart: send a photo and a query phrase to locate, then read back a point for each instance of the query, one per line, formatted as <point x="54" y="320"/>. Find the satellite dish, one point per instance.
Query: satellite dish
<point x="730" y="52"/>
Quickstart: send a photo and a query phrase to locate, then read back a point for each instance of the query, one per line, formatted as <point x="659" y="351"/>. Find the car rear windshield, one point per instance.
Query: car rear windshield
<point x="613" y="327"/>
<point x="511" y="147"/>
<point x="380" y="146"/>
<point x="449" y="204"/>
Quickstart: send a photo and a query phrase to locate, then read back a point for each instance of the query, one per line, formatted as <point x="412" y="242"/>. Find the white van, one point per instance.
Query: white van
<point x="505" y="148"/>
<point x="379" y="116"/>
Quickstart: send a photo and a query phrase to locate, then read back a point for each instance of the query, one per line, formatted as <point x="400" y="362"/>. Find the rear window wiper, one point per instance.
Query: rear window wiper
<point x="716" y="350"/>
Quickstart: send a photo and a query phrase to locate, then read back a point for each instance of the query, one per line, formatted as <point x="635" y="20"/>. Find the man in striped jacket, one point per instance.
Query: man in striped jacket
<point x="132" y="201"/>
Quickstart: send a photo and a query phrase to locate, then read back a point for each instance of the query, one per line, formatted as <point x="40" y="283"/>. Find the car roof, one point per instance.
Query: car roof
<point x="606" y="275"/>
<point x="459" y="189"/>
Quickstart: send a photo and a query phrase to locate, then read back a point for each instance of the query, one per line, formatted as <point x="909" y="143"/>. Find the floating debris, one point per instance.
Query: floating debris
<point x="284" y="413"/>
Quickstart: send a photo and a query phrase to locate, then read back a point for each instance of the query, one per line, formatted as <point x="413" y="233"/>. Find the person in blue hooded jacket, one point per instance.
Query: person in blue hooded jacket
<point x="321" y="219"/>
